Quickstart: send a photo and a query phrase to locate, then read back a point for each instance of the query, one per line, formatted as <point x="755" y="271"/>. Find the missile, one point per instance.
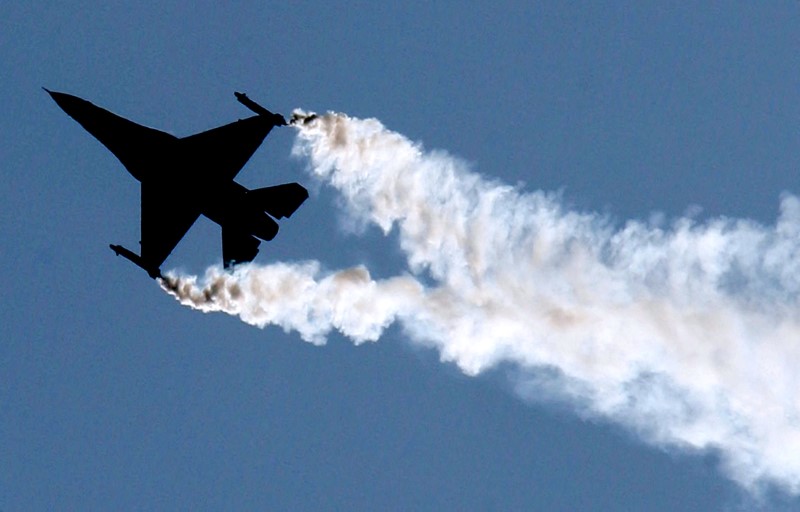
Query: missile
<point x="155" y="273"/>
<point x="258" y="109"/>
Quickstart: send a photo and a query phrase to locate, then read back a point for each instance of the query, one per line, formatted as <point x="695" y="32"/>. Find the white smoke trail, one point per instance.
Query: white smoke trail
<point x="687" y="334"/>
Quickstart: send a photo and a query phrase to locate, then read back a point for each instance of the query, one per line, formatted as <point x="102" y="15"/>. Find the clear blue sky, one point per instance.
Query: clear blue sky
<point x="114" y="397"/>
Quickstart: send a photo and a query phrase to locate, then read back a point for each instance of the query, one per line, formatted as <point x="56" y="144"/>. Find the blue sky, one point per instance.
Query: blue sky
<point x="113" y="396"/>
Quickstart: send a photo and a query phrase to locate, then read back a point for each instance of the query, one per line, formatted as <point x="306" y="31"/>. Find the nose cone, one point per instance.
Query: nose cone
<point x="67" y="102"/>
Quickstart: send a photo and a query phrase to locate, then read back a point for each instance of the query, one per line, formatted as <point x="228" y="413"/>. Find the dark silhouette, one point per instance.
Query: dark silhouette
<point x="258" y="109"/>
<point x="183" y="178"/>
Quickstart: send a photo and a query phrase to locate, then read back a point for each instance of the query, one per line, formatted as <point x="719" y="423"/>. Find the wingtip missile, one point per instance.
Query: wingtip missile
<point x="278" y="119"/>
<point x="153" y="272"/>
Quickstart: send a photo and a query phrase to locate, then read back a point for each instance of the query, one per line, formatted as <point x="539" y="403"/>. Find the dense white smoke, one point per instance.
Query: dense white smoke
<point x="687" y="334"/>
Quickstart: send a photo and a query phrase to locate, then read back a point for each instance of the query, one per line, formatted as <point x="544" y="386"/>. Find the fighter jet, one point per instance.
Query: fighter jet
<point x="183" y="178"/>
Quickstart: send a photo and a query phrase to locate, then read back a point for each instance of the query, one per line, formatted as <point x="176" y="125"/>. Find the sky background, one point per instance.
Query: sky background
<point x="115" y="397"/>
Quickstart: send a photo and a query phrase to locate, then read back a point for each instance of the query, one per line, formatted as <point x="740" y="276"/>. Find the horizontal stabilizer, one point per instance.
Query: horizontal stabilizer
<point x="279" y="201"/>
<point x="237" y="247"/>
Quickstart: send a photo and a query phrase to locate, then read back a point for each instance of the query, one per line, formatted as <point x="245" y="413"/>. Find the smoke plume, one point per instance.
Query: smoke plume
<point x="686" y="333"/>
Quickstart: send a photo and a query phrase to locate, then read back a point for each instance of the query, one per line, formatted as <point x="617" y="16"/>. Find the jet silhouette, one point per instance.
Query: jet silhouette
<point x="183" y="178"/>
